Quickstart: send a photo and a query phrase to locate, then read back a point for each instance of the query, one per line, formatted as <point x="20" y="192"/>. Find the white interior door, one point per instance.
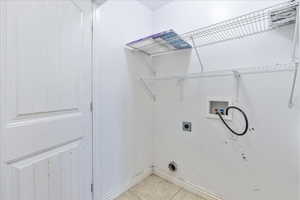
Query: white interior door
<point x="45" y="99"/>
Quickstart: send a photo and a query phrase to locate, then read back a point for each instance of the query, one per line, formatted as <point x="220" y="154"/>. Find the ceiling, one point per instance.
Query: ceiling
<point x="154" y="4"/>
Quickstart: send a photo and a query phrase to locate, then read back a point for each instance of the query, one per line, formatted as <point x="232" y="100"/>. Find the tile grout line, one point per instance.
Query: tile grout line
<point x="181" y="189"/>
<point x="132" y="193"/>
<point x="166" y="181"/>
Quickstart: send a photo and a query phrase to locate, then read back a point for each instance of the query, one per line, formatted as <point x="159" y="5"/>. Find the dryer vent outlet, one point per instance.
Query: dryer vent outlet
<point x="173" y="166"/>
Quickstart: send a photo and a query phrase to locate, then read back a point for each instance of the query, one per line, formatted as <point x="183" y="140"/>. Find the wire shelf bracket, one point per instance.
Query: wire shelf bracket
<point x="148" y="89"/>
<point x="147" y="57"/>
<point x="295" y="38"/>
<point x="197" y="54"/>
<point x="237" y="77"/>
<point x="295" y="59"/>
<point x="180" y="83"/>
<point x="149" y="64"/>
<point x="291" y="100"/>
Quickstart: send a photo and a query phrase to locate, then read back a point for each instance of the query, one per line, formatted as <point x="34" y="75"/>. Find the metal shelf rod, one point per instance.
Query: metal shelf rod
<point x="223" y="73"/>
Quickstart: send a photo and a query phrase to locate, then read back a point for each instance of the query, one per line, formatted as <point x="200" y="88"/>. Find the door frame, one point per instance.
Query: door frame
<point x="92" y="57"/>
<point x="2" y="63"/>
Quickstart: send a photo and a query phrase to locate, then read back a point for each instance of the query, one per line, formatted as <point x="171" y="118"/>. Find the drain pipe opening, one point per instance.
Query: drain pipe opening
<point x="173" y="166"/>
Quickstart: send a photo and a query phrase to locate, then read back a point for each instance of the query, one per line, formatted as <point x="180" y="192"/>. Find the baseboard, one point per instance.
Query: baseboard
<point x="186" y="185"/>
<point x="167" y="176"/>
<point x="140" y="177"/>
<point x="135" y="180"/>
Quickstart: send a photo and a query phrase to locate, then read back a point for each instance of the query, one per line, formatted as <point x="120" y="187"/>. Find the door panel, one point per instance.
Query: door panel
<point x="51" y="175"/>
<point x="43" y="54"/>
<point x="46" y="93"/>
<point x="30" y="75"/>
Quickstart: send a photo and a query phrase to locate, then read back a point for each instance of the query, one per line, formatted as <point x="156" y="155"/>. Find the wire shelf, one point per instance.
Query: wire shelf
<point x="246" y="25"/>
<point x="288" y="67"/>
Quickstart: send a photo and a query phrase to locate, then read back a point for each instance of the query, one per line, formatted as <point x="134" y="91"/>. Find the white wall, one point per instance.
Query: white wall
<point x="210" y="157"/>
<point x="123" y="111"/>
<point x="2" y="39"/>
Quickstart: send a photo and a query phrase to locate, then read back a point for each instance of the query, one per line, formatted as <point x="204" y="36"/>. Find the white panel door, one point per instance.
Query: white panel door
<point x="45" y="99"/>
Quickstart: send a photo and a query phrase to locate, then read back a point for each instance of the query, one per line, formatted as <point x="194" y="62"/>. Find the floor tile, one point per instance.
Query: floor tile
<point x="155" y="188"/>
<point x="185" y="195"/>
<point x="127" y="196"/>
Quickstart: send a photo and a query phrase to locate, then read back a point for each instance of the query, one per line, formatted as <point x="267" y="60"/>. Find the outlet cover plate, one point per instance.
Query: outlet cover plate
<point x="219" y="102"/>
<point x="187" y="126"/>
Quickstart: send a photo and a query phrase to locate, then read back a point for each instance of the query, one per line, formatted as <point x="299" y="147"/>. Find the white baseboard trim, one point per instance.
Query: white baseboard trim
<point x="186" y="185"/>
<point x="140" y="177"/>
<point x="135" y="180"/>
<point x="167" y="176"/>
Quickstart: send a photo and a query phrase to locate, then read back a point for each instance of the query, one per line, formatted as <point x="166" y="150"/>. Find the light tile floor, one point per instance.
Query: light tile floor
<point x="156" y="188"/>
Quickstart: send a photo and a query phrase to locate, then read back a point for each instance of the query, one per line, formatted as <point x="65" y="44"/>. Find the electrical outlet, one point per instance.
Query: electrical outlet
<point x="187" y="126"/>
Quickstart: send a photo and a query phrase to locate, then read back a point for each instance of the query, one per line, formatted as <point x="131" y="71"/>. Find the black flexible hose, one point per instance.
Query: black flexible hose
<point x="244" y="115"/>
